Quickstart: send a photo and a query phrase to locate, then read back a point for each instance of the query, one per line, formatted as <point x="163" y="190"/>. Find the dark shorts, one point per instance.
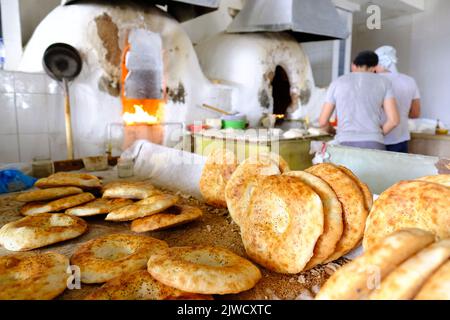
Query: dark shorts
<point x="365" y="145"/>
<point x="399" y="147"/>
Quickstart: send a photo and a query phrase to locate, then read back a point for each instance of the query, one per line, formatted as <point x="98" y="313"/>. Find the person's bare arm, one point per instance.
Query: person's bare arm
<point x="327" y="111"/>
<point x="414" y="113"/>
<point x="392" y="115"/>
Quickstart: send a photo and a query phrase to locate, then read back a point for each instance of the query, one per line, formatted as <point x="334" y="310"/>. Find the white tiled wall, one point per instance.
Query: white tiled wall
<point x="31" y="118"/>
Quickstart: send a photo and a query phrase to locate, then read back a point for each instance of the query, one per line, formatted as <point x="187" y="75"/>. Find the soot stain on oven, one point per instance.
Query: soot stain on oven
<point x="108" y="32"/>
<point x="178" y="94"/>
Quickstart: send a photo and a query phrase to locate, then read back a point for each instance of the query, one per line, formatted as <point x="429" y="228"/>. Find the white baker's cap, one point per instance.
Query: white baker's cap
<point x="387" y="56"/>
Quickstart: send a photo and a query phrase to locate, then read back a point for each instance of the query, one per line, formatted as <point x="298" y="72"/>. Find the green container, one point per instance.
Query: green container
<point x="234" y="124"/>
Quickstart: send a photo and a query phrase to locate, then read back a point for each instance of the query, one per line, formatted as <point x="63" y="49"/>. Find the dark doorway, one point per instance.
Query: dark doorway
<point x="281" y="91"/>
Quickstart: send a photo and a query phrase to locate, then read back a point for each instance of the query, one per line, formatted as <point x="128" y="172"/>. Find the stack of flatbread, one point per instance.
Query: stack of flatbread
<point x="407" y="264"/>
<point x="153" y="211"/>
<point x="45" y="222"/>
<point x="290" y="221"/>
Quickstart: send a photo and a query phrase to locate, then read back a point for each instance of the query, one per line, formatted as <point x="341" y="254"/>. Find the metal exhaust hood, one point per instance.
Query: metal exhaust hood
<point x="307" y="20"/>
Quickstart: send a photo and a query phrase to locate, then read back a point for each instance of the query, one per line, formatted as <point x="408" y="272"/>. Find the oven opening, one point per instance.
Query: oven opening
<point x="281" y="92"/>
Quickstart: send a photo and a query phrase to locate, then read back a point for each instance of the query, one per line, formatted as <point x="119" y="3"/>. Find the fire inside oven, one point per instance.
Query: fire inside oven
<point x="142" y="90"/>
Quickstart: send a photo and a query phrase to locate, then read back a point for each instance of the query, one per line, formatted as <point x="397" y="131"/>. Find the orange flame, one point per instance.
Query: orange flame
<point x="139" y="116"/>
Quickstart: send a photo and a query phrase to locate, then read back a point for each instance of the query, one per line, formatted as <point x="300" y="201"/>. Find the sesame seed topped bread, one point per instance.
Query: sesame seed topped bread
<point x="353" y="205"/>
<point x="144" y="208"/>
<point x="409" y="204"/>
<point x="443" y="179"/>
<point x="437" y="287"/>
<point x="136" y="190"/>
<point x="140" y="285"/>
<point x="204" y="270"/>
<point x="238" y="189"/>
<point x="31" y="276"/>
<point x="358" y="278"/>
<point x="107" y="257"/>
<point x="218" y="169"/>
<point x="368" y="196"/>
<point x="169" y="218"/>
<point x="67" y="179"/>
<point x="35" y="208"/>
<point x="38" y="231"/>
<point x="98" y="206"/>
<point x="48" y="194"/>
<point x="404" y="283"/>
<point x="333" y="221"/>
<point x="283" y="223"/>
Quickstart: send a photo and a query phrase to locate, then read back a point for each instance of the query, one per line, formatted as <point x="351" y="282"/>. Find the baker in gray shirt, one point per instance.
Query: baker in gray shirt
<point x="360" y="99"/>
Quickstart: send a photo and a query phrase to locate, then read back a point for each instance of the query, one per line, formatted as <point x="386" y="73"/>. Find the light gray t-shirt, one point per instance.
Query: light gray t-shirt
<point x="405" y="90"/>
<point x="359" y="98"/>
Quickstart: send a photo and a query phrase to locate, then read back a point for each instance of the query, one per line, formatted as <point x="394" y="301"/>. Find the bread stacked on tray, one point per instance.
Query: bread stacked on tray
<point x="292" y="221"/>
<point x="407" y="264"/>
<point x="45" y="222"/>
<point x="129" y="266"/>
<point x="153" y="210"/>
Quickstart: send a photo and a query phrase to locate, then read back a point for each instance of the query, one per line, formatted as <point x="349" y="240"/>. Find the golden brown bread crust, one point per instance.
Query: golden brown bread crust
<point x="218" y="169"/>
<point x="48" y="194"/>
<point x="243" y="179"/>
<point x="107" y="257"/>
<point x="204" y="270"/>
<point x="405" y="282"/>
<point x="98" y="206"/>
<point x="357" y="279"/>
<point x="437" y="287"/>
<point x="144" y="208"/>
<point x="30" y="276"/>
<point x="35" y="208"/>
<point x="333" y="221"/>
<point x="136" y="190"/>
<point x="409" y="204"/>
<point x="139" y="285"/>
<point x="283" y="223"/>
<point x="353" y="205"/>
<point x="171" y="217"/>
<point x="69" y="179"/>
<point x="368" y="196"/>
<point x="442" y="179"/>
<point x="39" y="231"/>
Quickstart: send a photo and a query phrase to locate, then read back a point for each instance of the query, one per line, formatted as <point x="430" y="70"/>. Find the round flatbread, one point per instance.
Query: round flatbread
<point x="35" y="208"/>
<point x="443" y="179"/>
<point x="368" y="196"/>
<point x="144" y="208"/>
<point x="137" y="190"/>
<point x="39" y="231"/>
<point x="409" y="204"/>
<point x="105" y="258"/>
<point x="30" y="276"/>
<point x="172" y="217"/>
<point x="218" y="169"/>
<point x="205" y="270"/>
<point x="48" y="194"/>
<point x="69" y="179"/>
<point x="98" y="206"/>
<point x="405" y="282"/>
<point x="358" y="278"/>
<point x="437" y="287"/>
<point x="333" y="222"/>
<point x="239" y="187"/>
<point x="353" y="205"/>
<point x="140" y="285"/>
<point x="284" y="221"/>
